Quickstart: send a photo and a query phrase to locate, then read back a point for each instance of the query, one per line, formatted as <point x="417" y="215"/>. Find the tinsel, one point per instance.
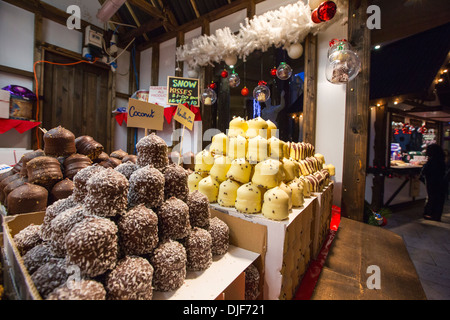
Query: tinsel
<point x="280" y="28"/>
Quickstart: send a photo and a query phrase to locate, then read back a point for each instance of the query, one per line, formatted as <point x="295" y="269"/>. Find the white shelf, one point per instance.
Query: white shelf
<point x="210" y="283"/>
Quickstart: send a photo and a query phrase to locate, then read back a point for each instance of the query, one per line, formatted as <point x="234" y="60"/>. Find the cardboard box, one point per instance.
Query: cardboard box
<point x="4" y="104"/>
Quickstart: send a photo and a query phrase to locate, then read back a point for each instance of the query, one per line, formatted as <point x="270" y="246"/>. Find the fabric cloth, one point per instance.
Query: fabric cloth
<point x="21" y="126"/>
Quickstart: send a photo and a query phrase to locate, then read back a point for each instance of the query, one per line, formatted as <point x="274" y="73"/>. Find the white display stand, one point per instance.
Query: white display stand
<point x="212" y="282"/>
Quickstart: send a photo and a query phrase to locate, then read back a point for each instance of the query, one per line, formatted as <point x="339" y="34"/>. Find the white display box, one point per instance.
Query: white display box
<point x="4" y="104"/>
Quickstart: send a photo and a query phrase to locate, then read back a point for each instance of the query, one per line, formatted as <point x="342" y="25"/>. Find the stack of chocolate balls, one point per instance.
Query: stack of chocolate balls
<point x="123" y="232"/>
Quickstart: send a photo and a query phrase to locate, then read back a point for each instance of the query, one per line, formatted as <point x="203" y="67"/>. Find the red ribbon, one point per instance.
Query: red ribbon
<point x="21" y="126"/>
<point x="121" y="117"/>
<point x="170" y="112"/>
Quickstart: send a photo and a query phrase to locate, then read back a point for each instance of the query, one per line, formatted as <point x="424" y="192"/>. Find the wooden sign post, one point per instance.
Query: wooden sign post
<point x="186" y="117"/>
<point x="145" y="115"/>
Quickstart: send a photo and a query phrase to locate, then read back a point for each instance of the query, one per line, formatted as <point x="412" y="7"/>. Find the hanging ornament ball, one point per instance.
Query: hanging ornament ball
<point x="313" y="4"/>
<point x="213" y="86"/>
<point x="234" y="80"/>
<point x="295" y="51"/>
<point x="224" y="74"/>
<point x="284" y="71"/>
<point x="192" y="73"/>
<point x="273" y="72"/>
<point x="324" y="12"/>
<point x="343" y="63"/>
<point x="261" y="93"/>
<point x="245" y="92"/>
<point x="209" y="97"/>
<point x="231" y="60"/>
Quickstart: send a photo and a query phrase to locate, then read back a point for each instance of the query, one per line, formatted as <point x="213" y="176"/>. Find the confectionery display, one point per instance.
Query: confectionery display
<point x="27" y="238"/>
<point x="131" y="279"/>
<point x="199" y="211"/>
<point x="127" y="168"/>
<point x="27" y="198"/>
<point x="80" y="290"/>
<point x="220" y="168"/>
<point x="258" y="149"/>
<point x="219" y="144"/>
<point x="29" y="156"/>
<point x="204" y="161"/>
<point x="198" y="249"/>
<point x="61" y="190"/>
<point x="152" y="150"/>
<point x="268" y="174"/>
<point x="252" y="278"/>
<point x="80" y="181"/>
<point x="240" y="171"/>
<point x="276" y="204"/>
<point x="228" y="193"/>
<point x="175" y="182"/>
<point x="146" y="187"/>
<point x="257" y="127"/>
<point x="75" y="163"/>
<point x="89" y="147"/>
<point x="44" y="171"/>
<point x="238" y="147"/>
<point x="249" y="198"/>
<point x="220" y="236"/>
<point x="59" y="142"/>
<point x="297" y="198"/>
<point x="173" y="219"/>
<point x="238" y="127"/>
<point x="50" y="276"/>
<point x="37" y="256"/>
<point x="118" y="154"/>
<point x="210" y="188"/>
<point x="193" y="180"/>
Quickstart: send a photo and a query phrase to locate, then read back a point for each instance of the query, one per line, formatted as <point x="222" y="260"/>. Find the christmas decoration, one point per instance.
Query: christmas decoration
<point x="209" y="97"/>
<point x="234" y="80"/>
<point x="279" y="28"/>
<point x="224" y="74"/>
<point x="261" y="93"/>
<point x="314" y="4"/>
<point x="295" y="51"/>
<point x="284" y="71"/>
<point x="231" y="60"/>
<point x="213" y="86"/>
<point x="244" y="92"/>
<point x="325" y="12"/>
<point x="343" y="64"/>
<point x="192" y="73"/>
<point x="273" y="72"/>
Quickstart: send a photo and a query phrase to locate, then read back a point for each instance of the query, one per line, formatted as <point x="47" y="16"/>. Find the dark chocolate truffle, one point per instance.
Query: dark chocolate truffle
<point x="173" y="219"/>
<point x="131" y="279"/>
<point x="27" y="238"/>
<point x="44" y="171"/>
<point x="80" y="181"/>
<point x="75" y="163"/>
<point x="79" y="290"/>
<point x="138" y="231"/>
<point x="198" y="249"/>
<point x="199" y="212"/>
<point x="107" y="193"/>
<point x="146" y="187"/>
<point x="27" y="198"/>
<point x="37" y="256"/>
<point x="152" y="150"/>
<point x="220" y="234"/>
<point x="88" y="146"/>
<point x="59" y="142"/>
<point x="176" y="182"/>
<point x="50" y="276"/>
<point x="169" y="263"/>
<point x="92" y="246"/>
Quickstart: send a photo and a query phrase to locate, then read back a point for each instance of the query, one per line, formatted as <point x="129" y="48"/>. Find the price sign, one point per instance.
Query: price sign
<point x="145" y="115"/>
<point x="184" y="116"/>
<point x="183" y="90"/>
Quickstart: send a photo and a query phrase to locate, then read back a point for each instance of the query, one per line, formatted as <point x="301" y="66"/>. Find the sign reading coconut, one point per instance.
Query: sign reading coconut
<point x="183" y="90"/>
<point x="145" y="115"/>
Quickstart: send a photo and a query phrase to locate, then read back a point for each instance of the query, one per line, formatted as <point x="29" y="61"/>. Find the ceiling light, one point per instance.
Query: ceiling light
<point x="377" y="47"/>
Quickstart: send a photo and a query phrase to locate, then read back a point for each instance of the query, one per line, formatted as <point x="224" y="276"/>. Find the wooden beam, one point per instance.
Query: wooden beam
<point x="17" y="72"/>
<point x="194" y="6"/>
<point x="356" y="116"/>
<point x="148" y="8"/>
<point x="310" y="90"/>
<point x="37" y="137"/>
<point x="136" y="20"/>
<point x="155" y="65"/>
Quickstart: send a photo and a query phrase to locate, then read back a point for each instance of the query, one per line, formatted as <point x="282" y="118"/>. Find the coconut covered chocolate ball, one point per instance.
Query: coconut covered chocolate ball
<point x="50" y="276"/>
<point x="80" y="181"/>
<point x="138" y="231"/>
<point x="252" y="278"/>
<point x="79" y="290"/>
<point x="131" y="279"/>
<point x="37" y="256"/>
<point x="173" y="218"/>
<point x="146" y="187"/>
<point x="92" y="246"/>
<point x="107" y="194"/>
<point x="28" y="238"/>
<point x="152" y="150"/>
<point x="199" y="212"/>
<point x="61" y="225"/>
<point x="198" y="249"/>
<point x="127" y="169"/>
<point x="176" y="182"/>
<point x="169" y="263"/>
<point x="220" y="235"/>
<point x="52" y="211"/>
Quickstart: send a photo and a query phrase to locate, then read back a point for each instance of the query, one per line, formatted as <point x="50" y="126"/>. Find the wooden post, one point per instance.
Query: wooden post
<point x="380" y="154"/>
<point x="36" y="140"/>
<point x="356" y="116"/>
<point x="131" y="132"/>
<point x="206" y="76"/>
<point x="177" y="125"/>
<point x="310" y="91"/>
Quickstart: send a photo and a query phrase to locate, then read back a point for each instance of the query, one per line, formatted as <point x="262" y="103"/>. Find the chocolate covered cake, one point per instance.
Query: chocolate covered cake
<point x="173" y="219"/>
<point x="61" y="190"/>
<point x="27" y="238"/>
<point x="75" y="163"/>
<point x="29" y="156"/>
<point x="59" y="142"/>
<point x="27" y="198"/>
<point x="118" y="154"/>
<point x="130" y="157"/>
<point x="92" y="246"/>
<point x="79" y="290"/>
<point x="146" y="187"/>
<point x="220" y="234"/>
<point x="131" y="279"/>
<point x="127" y="169"/>
<point x="176" y="182"/>
<point x="107" y="193"/>
<point x="88" y="146"/>
<point x="44" y="171"/>
<point x="199" y="213"/>
<point x="37" y="256"/>
<point x="51" y="212"/>
<point x="138" y="231"/>
<point x="169" y="263"/>
<point x="198" y="249"/>
<point x="80" y="181"/>
<point x="50" y="276"/>
<point x="252" y="278"/>
<point x="152" y="150"/>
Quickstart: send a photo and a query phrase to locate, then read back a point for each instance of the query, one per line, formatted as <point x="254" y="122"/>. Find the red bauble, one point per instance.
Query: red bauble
<point x="245" y="92"/>
<point x="224" y="74"/>
<point x="273" y="72"/>
<point x="213" y="86"/>
<point x="324" y="12"/>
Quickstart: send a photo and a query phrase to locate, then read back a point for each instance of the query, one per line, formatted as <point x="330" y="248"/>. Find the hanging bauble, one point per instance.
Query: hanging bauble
<point x="209" y="97"/>
<point x="295" y="51"/>
<point x="234" y="80"/>
<point x="324" y="12"/>
<point x="213" y="86"/>
<point x="273" y="72"/>
<point x="343" y="64"/>
<point x="192" y="73"/>
<point x="224" y="74"/>
<point x="245" y="92"/>
<point x="231" y="60"/>
<point x="313" y="4"/>
<point x="284" y="71"/>
<point x="261" y="93"/>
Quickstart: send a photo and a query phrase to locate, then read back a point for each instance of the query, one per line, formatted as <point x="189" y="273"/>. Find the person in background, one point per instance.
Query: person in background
<point x="434" y="173"/>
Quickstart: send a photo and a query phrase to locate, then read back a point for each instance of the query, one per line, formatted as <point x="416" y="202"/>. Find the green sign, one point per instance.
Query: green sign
<point x="183" y="90"/>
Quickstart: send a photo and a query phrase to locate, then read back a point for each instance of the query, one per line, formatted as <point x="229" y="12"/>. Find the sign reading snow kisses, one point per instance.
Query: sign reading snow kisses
<point x="183" y="90"/>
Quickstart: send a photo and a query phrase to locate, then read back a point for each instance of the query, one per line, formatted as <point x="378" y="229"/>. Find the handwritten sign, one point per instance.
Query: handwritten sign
<point x="183" y="90"/>
<point x="184" y="116"/>
<point x="145" y="115"/>
<point x="158" y="95"/>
